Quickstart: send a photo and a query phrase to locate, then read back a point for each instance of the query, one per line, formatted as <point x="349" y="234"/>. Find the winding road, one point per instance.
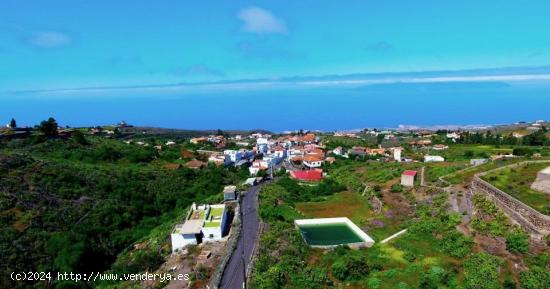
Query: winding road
<point x="233" y="275"/>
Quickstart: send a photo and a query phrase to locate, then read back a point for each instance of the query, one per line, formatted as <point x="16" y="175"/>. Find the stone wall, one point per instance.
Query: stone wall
<point x="229" y="248"/>
<point x="530" y="219"/>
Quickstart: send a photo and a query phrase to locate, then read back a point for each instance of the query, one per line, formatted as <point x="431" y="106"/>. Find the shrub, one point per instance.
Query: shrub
<point x="396" y="188"/>
<point x="351" y="267"/>
<point x="517" y="242"/>
<point x="536" y="278"/>
<point x="481" y="272"/>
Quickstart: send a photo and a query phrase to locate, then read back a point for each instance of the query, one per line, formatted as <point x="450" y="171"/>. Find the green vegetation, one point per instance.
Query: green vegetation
<point x="489" y="219"/>
<point x="481" y="272"/>
<point x="517" y="242"/>
<point x="517" y="182"/>
<point x="426" y="257"/>
<point x="332" y="142"/>
<point x="467" y="174"/>
<point x="80" y="204"/>
<point x="345" y="204"/>
<point x="466" y="152"/>
<point x="538" y="276"/>
<point x="537" y="138"/>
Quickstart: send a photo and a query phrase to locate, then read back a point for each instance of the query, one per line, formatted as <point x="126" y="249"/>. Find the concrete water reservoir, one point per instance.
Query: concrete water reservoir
<point x="327" y="233"/>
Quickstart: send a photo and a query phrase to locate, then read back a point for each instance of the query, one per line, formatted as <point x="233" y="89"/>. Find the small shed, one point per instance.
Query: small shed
<point x="407" y="178"/>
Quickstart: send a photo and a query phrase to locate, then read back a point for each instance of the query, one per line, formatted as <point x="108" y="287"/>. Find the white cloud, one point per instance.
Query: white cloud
<point x="261" y="21"/>
<point x="49" y="39"/>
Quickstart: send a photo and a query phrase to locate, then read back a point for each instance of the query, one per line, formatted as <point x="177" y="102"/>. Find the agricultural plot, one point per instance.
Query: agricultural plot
<point x="517" y="182"/>
<point x="345" y="204"/>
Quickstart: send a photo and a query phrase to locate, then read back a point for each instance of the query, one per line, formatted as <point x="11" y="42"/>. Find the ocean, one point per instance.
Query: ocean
<point x="281" y="109"/>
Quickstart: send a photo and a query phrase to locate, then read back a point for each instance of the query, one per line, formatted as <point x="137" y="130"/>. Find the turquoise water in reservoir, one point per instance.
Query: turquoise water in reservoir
<point x="329" y="234"/>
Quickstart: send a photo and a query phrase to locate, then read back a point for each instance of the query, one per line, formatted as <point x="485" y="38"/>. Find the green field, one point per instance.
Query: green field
<point x="517" y="182"/>
<point x="467" y="152"/>
<point x="467" y="174"/>
<point x="345" y="204"/>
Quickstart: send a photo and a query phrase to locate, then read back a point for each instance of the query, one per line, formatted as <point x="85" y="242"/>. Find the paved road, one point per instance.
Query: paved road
<point x="233" y="275"/>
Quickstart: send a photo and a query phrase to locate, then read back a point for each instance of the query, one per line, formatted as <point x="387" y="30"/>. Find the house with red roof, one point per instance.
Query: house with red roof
<point x="313" y="161"/>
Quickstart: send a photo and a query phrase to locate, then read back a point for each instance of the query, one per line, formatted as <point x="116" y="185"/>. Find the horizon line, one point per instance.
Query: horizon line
<point x="495" y="74"/>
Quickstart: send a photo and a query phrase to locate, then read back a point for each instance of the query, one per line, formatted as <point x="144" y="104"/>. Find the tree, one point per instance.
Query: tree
<point x="379" y="138"/>
<point x="13" y="123"/>
<point x="78" y="136"/>
<point x="48" y="127"/>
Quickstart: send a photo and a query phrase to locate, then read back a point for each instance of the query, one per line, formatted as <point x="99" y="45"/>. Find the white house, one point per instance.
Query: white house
<point x="203" y="223"/>
<point x="440" y="147"/>
<point x="339" y="151"/>
<point x="233" y="155"/>
<point x="313" y="161"/>
<point x="185" y="234"/>
<point x="218" y="159"/>
<point x="429" y="159"/>
<point x="279" y="152"/>
<point x="397" y="154"/>
<point x="453" y="135"/>
<point x="257" y="166"/>
<point x="295" y="152"/>
<point x="215" y="223"/>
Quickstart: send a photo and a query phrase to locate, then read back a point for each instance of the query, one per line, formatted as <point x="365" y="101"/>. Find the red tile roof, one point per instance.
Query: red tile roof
<point x="409" y="173"/>
<point x="194" y="164"/>
<point x="312" y="175"/>
<point x="313" y="158"/>
<point x="308" y="137"/>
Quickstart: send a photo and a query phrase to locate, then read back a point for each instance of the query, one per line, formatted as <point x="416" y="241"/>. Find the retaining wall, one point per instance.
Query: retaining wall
<point x="529" y="218"/>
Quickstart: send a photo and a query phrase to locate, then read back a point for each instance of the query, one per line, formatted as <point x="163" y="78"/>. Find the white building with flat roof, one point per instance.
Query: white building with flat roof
<point x="203" y="223"/>
<point x="215" y="224"/>
<point x="433" y="159"/>
<point x="188" y="233"/>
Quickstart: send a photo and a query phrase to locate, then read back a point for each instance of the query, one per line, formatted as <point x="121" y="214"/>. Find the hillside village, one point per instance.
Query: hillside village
<point x="373" y="186"/>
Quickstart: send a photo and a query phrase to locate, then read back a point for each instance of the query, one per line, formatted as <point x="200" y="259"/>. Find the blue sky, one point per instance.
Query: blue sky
<point x="236" y="64"/>
<point x="50" y="44"/>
